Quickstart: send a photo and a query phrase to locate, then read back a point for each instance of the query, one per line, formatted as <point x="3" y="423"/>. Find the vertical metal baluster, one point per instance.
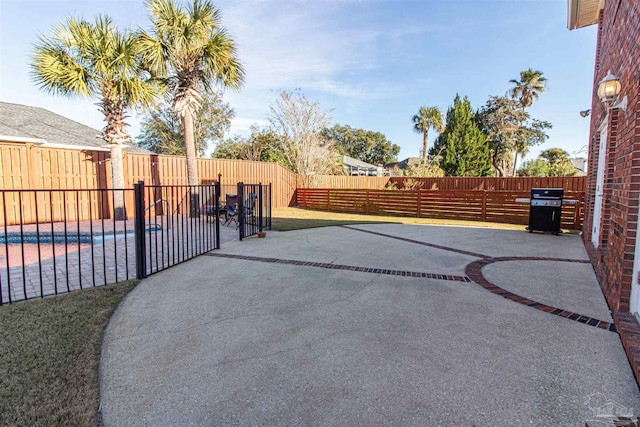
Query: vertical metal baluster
<point x="24" y="271"/>
<point x="203" y="222"/>
<point x="178" y="222"/>
<point x="103" y="193"/>
<point x="6" y="245"/>
<point x="53" y="244"/>
<point x="115" y="240"/>
<point x="93" y="261"/>
<point x="126" y="242"/>
<point x="270" y="204"/>
<point x="66" y="243"/>
<point x="199" y="224"/>
<point x="182" y="236"/>
<point x="208" y="228"/>
<point x="35" y="198"/>
<point x="155" y="226"/>
<point x="78" y="237"/>
<point x="190" y="226"/>
<point x="173" y="231"/>
<point x="149" y="233"/>
<point x="141" y="250"/>
<point x="217" y="229"/>
<point x="162" y="198"/>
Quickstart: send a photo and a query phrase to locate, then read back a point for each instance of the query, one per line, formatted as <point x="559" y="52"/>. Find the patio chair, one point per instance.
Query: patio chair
<point x="230" y="210"/>
<point x="250" y="204"/>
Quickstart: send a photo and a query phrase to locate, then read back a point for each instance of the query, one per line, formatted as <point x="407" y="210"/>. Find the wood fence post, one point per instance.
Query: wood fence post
<point x="484" y="205"/>
<point x="367" y="201"/>
<point x="419" y="207"/>
<point x="328" y="199"/>
<point x="576" y="214"/>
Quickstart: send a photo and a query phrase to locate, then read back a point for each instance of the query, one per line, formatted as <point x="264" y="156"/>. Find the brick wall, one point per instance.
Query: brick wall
<point x="618" y="50"/>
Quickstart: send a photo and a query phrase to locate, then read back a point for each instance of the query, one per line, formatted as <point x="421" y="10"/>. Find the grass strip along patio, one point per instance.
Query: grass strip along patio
<point x="285" y="219"/>
<point x="49" y="357"/>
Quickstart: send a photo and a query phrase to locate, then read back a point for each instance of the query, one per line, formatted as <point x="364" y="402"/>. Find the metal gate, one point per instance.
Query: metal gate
<point x="174" y="223"/>
<point x="254" y="208"/>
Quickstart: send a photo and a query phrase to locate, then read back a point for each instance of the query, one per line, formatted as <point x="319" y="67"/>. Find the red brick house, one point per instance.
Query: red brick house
<point x="613" y="184"/>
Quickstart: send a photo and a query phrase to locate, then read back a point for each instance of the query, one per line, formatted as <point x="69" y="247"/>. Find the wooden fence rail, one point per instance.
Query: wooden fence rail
<point x="476" y="205"/>
<point x="569" y="183"/>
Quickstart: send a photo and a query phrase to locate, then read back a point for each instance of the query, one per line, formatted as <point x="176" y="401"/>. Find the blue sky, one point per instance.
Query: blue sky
<point x="373" y="63"/>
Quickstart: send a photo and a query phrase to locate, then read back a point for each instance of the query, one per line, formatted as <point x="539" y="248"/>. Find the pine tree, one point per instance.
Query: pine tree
<point x="462" y="146"/>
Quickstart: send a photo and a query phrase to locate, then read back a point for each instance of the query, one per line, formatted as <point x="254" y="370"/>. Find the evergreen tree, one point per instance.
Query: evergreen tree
<point x="462" y="146"/>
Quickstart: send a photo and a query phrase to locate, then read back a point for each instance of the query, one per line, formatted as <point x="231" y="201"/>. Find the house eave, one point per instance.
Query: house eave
<point x="23" y="139"/>
<point x="583" y="13"/>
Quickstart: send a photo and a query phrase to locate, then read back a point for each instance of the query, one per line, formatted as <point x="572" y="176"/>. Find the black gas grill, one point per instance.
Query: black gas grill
<point x="545" y="209"/>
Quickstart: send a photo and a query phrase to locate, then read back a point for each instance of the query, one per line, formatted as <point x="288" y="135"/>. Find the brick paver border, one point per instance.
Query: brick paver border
<point x="343" y="267"/>
<point x="474" y="273"/>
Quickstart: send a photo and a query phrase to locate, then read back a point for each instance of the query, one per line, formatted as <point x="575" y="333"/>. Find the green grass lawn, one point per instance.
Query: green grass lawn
<point x="284" y="219"/>
<point x="49" y="356"/>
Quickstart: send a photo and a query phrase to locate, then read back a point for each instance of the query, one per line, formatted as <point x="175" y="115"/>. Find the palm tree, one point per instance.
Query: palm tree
<point x="189" y="49"/>
<point x="427" y="118"/>
<point x="528" y="88"/>
<point x="96" y="61"/>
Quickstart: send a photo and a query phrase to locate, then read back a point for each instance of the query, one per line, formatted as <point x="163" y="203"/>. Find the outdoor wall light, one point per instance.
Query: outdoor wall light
<point x="609" y="89"/>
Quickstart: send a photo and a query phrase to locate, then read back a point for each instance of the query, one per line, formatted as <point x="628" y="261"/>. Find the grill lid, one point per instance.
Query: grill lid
<point x="547" y="193"/>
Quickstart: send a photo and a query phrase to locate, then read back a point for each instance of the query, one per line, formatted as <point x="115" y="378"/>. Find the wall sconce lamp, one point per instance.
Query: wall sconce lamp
<point x="609" y="90"/>
<point x="585" y="113"/>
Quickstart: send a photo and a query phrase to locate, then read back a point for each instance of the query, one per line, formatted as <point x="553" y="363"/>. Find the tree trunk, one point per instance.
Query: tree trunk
<point x="192" y="163"/>
<point x="515" y="162"/>
<point x="424" y="147"/>
<point x="117" y="182"/>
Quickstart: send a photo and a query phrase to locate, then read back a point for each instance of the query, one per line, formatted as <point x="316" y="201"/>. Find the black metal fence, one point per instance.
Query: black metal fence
<point x="254" y="208"/>
<point x="173" y="224"/>
<point x="58" y="241"/>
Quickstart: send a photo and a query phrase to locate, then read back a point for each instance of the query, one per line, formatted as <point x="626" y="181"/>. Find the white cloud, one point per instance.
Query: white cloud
<point x="308" y="45"/>
<point x="242" y="126"/>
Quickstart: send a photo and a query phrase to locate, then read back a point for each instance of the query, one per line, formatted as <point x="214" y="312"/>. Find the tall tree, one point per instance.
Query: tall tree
<point x="94" y="60"/>
<point x="551" y="162"/>
<point x="509" y="128"/>
<point x="463" y="145"/>
<point x="366" y="145"/>
<point x="529" y="87"/>
<point x="162" y="131"/>
<point x="262" y="145"/>
<point x="298" y="124"/>
<point x="427" y="118"/>
<point x="191" y="50"/>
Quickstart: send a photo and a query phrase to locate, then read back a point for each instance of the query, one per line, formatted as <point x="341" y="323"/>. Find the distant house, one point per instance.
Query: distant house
<point x="34" y="125"/>
<point x="358" y="167"/>
<point x="396" y="168"/>
<point x="580" y="164"/>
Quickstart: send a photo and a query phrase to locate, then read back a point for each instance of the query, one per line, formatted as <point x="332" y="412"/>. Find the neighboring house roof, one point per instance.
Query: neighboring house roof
<point x="582" y="13"/>
<point x="403" y="164"/>
<point x="22" y="123"/>
<point x="580" y="164"/>
<point x="357" y="163"/>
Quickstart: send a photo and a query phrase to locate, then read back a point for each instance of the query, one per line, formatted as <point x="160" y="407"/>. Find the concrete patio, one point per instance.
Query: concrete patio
<point x="384" y="324"/>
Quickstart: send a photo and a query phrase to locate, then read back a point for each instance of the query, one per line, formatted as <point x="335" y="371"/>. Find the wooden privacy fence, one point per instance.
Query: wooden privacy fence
<point x="33" y="167"/>
<point x="569" y="183"/>
<point x="28" y="166"/>
<point x="475" y="205"/>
